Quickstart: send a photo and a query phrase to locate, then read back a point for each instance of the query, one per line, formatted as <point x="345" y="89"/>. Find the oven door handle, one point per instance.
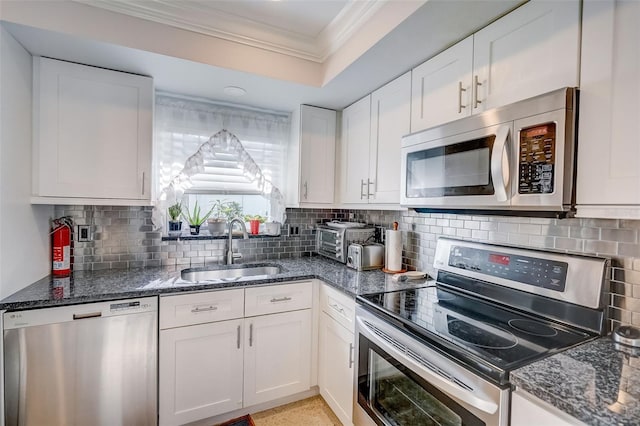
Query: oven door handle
<point x="498" y="166"/>
<point x="464" y="395"/>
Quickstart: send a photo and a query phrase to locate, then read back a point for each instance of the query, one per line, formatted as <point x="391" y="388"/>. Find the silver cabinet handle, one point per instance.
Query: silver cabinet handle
<point x="85" y="316"/>
<point x="362" y="194"/>
<point x="369" y="183"/>
<point x="143" y="183"/>
<point x="337" y="308"/>
<point x="477" y="84"/>
<point x="250" y="334"/>
<point x="198" y="309"/>
<point x="306" y="190"/>
<point x="238" y="340"/>
<point x="460" y="90"/>
<point x="282" y="299"/>
<point x="351" y="355"/>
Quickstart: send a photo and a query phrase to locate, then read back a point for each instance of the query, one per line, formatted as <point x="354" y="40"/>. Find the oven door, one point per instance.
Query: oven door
<point x="329" y="243"/>
<point x="467" y="170"/>
<point x="400" y="381"/>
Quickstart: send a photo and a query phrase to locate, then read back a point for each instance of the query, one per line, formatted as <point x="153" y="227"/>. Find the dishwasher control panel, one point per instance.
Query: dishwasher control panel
<point x="84" y="312"/>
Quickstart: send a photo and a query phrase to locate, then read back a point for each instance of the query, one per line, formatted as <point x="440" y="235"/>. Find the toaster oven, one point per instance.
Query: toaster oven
<point x="333" y="242"/>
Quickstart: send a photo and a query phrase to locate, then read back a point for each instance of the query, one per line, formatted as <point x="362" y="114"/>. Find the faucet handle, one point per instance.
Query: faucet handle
<point x="237" y="255"/>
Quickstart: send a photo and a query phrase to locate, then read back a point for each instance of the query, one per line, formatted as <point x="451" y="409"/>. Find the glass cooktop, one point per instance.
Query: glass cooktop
<point x="489" y="338"/>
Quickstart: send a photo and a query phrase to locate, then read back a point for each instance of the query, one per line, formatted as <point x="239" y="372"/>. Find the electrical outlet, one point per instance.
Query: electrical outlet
<point x="352" y="216"/>
<point x="294" y="230"/>
<point x="84" y="233"/>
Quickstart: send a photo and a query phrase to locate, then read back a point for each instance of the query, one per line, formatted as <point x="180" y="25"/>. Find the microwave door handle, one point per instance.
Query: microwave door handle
<point x="497" y="165"/>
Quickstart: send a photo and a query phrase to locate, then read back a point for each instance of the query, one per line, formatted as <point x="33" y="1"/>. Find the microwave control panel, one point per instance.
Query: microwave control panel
<point x="537" y="159"/>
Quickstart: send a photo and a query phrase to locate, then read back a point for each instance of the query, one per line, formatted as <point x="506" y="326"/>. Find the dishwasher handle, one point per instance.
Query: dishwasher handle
<point x="87" y="315"/>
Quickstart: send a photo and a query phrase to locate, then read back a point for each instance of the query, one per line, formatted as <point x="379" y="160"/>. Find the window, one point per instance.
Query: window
<point x="182" y="126"/>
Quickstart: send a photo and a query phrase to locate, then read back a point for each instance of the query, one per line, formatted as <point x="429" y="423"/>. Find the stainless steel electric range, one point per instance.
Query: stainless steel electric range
<point x="442" y="354"/>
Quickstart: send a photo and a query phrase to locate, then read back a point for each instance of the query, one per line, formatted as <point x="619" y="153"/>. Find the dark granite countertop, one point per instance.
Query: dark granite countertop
<point x="597" y="383"/>
<point x="84" y="286"/>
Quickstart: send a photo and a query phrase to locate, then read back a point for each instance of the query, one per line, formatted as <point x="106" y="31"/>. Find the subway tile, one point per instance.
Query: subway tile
<point x="584" y="233"/>
<point x="556" y="231"/>
<point x="527" y="228"/>
<point x="601" y="247"/>
<point x="508" y="227"/>
<point x="570" y="244"/>
<point x="631" y="250"/>
<point x="620" y="235"/>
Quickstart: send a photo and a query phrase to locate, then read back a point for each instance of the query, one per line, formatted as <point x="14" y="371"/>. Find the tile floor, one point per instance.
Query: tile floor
<point x="309" y="412"/>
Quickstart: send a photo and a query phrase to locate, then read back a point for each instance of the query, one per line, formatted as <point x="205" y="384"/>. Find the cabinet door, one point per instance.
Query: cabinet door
<point x="609" y="150"/>
<point x="532" y="50"/>
<point x="92" y="132"/>
<point x="390" y="118"/>
<point x="527" y="410"/>
<point x="354" y="156"/>
<point x="200" y="371"/>
<point x="318" y="154"/>
<point x="441" y="87"/>
<point x="335" y="372"/>
<point x="277" y="356"/>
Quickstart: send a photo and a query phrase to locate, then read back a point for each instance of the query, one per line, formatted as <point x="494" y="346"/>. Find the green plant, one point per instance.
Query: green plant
<point x="175" y="211"/>
<point x="195" y="216"/>
<point x="228" y="210"/>
<point x="257" y="217"/>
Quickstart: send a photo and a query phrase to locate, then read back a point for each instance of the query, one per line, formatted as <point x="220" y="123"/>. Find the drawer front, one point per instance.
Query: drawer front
<point x="278" y="298"/>
<point x="199" y="308"/>
<point x="338" y="306"/>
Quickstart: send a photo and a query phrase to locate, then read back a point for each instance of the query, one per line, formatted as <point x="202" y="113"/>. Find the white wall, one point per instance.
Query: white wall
<point x="24" y="229"/>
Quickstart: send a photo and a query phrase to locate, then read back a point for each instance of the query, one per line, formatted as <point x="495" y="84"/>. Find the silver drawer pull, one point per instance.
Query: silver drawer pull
<point x="282" y="299"/>
<point x="85" y="316"/>
<point x="210" y="308"/>
<point x="337" y="308"/>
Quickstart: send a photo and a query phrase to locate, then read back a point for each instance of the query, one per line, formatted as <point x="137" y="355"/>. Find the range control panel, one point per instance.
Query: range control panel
<point x="537" y="159"/>
<point x="543" y="273"/>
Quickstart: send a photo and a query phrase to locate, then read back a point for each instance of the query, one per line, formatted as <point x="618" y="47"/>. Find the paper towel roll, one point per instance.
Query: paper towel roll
<point x="393" y="250"/>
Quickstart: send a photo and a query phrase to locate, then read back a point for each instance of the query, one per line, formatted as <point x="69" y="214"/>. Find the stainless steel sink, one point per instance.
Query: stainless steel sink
<point x="230" y="273"/>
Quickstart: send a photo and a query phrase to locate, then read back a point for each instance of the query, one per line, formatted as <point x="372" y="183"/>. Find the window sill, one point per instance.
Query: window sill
<point x="188" y="237"/>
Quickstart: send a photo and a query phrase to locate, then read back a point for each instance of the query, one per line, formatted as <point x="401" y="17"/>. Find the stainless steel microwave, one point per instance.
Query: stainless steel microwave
<point x="517" y="157"/>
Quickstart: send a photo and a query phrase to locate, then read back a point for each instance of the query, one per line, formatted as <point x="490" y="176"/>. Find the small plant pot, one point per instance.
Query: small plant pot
<point x="194" y="229"/>
<point x="175" y="226"/>
<point x="255" y="227"/>
<point x="217" y="227"/>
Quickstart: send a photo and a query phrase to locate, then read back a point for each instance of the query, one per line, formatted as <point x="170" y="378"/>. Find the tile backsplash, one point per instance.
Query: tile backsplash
<point x="123" y="237"/>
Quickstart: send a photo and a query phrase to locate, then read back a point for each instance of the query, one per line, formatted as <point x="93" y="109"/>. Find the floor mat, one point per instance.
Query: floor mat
<point x="240" y="421"/>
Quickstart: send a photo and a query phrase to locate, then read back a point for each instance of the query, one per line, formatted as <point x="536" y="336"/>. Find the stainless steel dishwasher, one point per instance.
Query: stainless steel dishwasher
<point x="91" y="364"/>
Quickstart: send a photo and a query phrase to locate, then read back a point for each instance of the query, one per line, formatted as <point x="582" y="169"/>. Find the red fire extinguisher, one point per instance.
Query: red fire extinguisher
<point x="61" y="246"/>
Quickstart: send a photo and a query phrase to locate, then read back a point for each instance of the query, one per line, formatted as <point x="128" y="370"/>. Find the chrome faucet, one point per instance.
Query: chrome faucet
<point x="230" y="254"/>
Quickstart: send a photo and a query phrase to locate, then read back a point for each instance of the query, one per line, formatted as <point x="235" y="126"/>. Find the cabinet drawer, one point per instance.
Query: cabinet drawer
<point x="338" y="306"/>
<point x="198" y="308"/>
<point x="278" y="298"/>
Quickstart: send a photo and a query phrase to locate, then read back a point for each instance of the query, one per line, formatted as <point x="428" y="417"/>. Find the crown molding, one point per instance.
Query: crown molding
<point x="234" y="28"/>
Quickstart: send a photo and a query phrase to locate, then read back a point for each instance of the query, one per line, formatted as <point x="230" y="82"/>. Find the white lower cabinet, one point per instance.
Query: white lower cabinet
<point x="335" y="372"/>
<point x="213" y="361"/>
<point x="527" y="410"/>
<point x="336" y="358"/>
<point x="200" y="371"/>
<point x="277" y="357"/>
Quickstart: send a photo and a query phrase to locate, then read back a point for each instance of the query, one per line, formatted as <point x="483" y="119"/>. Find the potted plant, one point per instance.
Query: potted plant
<point x="254" y="223"/>
<point x="175" y="224"/>
<point x="223" y="212"/>
<point x="195" y="218"/>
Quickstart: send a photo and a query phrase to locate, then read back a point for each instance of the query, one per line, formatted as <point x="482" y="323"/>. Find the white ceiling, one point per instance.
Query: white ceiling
<point x="193" y="69"/>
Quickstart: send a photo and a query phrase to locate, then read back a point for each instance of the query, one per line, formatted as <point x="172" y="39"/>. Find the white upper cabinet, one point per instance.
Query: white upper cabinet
<point x="441" y="87"/>
<point x="531" y="51"/>
<point x="372" y="130"/>
<point x="390" y="121"/>
<point x="317" y="155"/>
<point x="356" y="120"/>
<point x="608" y="182"/>
<point x="92" y="135"/>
